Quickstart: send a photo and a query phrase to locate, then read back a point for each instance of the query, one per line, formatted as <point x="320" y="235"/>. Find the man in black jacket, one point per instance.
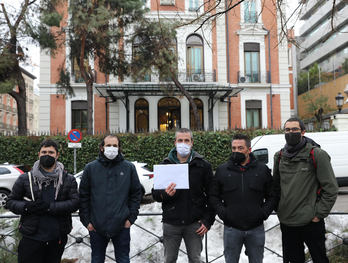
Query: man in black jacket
<point x="242" y="196"/>
<point x="186" y="213"/>
<point x="110" y="195"/>
<point x="45" y="198"/>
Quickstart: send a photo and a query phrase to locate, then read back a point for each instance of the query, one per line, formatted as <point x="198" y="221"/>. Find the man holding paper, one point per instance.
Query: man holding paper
<point x="186" y="212"/>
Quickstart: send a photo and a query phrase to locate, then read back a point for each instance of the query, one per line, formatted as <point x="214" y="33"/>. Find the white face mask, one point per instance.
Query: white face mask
<point x="110" y="152"/>
<point x="183" y="149"/>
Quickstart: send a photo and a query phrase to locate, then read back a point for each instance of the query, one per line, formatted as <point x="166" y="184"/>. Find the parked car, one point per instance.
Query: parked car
<point x="8" y="175"/>
<point x="144" y="174"/>
<point x="334" y="143"/>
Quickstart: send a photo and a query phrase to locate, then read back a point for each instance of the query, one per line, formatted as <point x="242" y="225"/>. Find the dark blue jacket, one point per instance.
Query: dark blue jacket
<point x="110" y="193"/>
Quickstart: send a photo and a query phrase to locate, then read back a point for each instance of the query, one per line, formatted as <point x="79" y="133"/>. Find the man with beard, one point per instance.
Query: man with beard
<point x="307" y="188"/>
<point x="186" y="212"/>
<point x="241" y="194"/>
<point x="45" y="198"/>
<point x="110" y="195"/>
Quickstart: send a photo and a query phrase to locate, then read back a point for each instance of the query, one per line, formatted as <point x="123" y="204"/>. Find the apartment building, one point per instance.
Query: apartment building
<point x="232" y="67"/>
<point x="320" y="42"/>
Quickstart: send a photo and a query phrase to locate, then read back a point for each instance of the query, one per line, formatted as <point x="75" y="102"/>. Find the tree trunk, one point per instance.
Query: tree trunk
<point x="20" y="98"/>
<point x="88" y="78"/>
<point x="190" y="99"/>
<point x="89" y="87"/>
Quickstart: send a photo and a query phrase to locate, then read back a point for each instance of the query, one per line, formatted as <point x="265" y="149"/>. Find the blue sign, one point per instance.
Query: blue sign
<point x="74" y="135"/>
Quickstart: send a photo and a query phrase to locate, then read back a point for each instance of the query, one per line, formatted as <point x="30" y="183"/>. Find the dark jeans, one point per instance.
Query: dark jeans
<point x="121" y="246"/>
<point x="293" y="239"/>
<point x="253" y="240"/>
<point x="33" y="251"/>
<point x="172" y="236"/>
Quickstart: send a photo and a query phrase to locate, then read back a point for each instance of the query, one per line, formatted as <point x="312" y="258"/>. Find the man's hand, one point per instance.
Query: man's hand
<point x="38" y="207"/>
<point x="90" y="227"/>
<point x="315" y="220"/>
<point x="170" y="190"/>
<point x="202" y="230"/>
<point x="127" y="224"/>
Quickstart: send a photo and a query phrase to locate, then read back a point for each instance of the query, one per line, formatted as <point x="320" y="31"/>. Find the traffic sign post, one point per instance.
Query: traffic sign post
<point x="74" y="136"/>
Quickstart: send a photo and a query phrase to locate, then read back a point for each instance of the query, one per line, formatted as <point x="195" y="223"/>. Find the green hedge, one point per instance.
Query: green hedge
<point x="150" y="148"/>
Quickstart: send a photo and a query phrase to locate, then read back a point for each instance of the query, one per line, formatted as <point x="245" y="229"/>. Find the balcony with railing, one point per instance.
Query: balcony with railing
<point x="255" y="77"/>
<point x="182" y="77"/>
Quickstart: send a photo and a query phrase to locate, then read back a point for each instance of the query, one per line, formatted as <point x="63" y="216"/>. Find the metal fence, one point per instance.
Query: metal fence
<point x="7" y="233"/>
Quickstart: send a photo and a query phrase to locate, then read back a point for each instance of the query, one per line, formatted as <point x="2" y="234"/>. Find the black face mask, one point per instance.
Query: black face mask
<point x="238" y="157"/>
<point x="47" y="161"/>
<point x="293" y="138"/>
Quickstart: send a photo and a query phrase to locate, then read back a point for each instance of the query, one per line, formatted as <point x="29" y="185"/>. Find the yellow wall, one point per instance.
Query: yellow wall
<point x="330" y="90"/>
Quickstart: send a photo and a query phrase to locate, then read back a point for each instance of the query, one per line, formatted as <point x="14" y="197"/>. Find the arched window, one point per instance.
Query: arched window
<point x="169" y="116"/>
<point x="194" y="58"/>
<point x="165" y="75"/>
<point x="79" y="115"/>
<point x="136" y="48"/>
<point x="141" y="117"/>
<point x="199" y="105"/>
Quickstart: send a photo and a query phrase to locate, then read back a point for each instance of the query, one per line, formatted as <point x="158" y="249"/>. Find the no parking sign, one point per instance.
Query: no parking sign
<point x="74" y="136"/>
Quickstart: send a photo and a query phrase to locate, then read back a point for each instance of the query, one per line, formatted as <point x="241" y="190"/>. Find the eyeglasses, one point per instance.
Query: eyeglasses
<point x="294" y="129"/>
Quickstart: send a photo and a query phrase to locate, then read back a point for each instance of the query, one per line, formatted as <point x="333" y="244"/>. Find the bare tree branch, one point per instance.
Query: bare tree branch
<point x="333" y="14"/>
<point x="219" y="13"/>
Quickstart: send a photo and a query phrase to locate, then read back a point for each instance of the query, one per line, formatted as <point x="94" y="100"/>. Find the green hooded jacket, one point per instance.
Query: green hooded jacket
<point x="297" y="180"/>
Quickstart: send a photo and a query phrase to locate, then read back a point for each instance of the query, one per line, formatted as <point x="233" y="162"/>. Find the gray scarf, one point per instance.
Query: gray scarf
<point x="56" y="176"/>
<point x="291" y="151"/>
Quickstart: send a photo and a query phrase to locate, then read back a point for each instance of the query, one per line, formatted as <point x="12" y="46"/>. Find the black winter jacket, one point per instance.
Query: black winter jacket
<point x="67" y="202"/>
<point x="189" y="205"/>
<point x="243" y="197"/>
<point x="110" y="193"/>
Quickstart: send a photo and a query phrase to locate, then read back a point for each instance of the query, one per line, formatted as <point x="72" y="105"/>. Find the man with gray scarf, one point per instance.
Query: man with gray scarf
<point x="45" y="198"/>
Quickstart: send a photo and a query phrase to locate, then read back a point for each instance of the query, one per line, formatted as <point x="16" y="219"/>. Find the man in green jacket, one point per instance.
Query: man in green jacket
<point x="307" y="188"/>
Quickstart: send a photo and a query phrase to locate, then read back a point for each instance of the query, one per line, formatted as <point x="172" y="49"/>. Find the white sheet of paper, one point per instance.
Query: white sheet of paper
<point x="164" y="174"/>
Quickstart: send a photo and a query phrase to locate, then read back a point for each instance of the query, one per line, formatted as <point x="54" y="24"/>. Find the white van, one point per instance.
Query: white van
<point x="334" y="143"/>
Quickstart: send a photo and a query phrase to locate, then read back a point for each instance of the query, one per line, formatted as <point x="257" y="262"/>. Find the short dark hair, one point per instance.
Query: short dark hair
<point x="48" y="143"/>
<point x="184" y="130"/>
<point x="239" y="136"/>
<point x="102" y="143"/>
<point x="300" y="122"/>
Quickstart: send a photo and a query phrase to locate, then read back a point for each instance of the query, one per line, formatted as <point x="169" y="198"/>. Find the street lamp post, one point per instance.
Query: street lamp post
<point x="339" y="101"/>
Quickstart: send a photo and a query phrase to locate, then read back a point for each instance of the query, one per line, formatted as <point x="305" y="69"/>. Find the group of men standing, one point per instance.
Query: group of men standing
<point x="242" y="193"/>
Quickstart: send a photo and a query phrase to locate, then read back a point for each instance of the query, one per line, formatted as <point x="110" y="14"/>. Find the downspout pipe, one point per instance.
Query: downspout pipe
<point x="228" y="66"/>
<point x="270" y="75"/>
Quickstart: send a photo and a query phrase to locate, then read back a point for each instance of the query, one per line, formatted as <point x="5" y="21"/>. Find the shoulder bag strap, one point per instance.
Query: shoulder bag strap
<point x="31" y="186"/>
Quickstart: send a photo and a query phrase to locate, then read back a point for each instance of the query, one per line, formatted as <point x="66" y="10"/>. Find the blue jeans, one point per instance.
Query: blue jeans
<point x="120" y="242"/>
<point x="253" y="240"/>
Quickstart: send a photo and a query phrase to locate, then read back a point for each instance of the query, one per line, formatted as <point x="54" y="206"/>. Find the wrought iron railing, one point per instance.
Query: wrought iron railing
<point x="210" y="256"/>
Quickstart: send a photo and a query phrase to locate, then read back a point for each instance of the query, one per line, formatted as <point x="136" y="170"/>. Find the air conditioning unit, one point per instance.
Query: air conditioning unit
<point x="167" y="2"/>
<point x="244" y="79"/>
<point x="198" y="77"/>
